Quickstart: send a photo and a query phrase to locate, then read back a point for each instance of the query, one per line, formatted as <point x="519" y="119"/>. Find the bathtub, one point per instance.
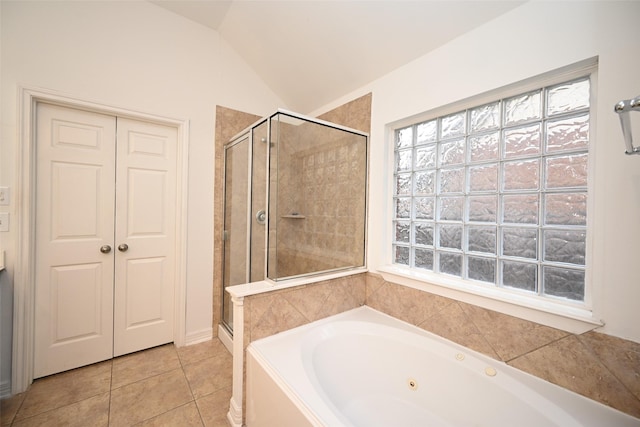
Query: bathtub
<point x="365" y="368"/>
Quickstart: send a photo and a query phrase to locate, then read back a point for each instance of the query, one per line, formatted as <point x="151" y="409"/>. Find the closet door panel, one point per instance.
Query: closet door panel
<point x="75" y="155"/>
<point x="145" y="236"/>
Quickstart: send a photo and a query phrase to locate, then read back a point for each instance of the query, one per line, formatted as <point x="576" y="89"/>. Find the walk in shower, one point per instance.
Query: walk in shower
<point x="295" y="200"/>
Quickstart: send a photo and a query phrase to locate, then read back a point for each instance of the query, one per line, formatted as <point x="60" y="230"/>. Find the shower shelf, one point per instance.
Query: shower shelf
<point x="294" y="216"/>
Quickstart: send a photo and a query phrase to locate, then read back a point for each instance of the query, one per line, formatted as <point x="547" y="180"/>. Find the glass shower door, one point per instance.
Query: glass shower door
<point x="236" y="226"/>
<point x="245" y="216"/>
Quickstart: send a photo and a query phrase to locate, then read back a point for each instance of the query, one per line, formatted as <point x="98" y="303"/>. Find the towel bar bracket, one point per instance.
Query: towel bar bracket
<point x="623" y="108"/>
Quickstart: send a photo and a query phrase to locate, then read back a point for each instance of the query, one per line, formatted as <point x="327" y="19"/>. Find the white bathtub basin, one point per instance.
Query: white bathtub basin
<point x="364" y="368"/>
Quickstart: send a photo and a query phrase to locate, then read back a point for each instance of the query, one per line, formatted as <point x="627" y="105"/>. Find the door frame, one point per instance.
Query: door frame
<point x="24" y="276"/>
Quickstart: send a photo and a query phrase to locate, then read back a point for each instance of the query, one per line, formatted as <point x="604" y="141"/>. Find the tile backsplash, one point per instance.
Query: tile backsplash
<point x="269" y="313"/>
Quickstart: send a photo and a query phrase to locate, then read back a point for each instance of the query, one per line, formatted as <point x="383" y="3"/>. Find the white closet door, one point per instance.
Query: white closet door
<point x="105" y="237"/>
<point x="145" y="235"/>
<point x="74" y="220"/>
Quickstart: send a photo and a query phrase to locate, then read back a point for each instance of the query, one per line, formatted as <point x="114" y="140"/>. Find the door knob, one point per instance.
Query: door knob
<point x="123" y="247"/>
<point x="105" y="249"/>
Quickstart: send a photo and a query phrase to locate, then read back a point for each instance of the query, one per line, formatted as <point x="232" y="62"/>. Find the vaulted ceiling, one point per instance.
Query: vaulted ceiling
<point x="311" y="52"/>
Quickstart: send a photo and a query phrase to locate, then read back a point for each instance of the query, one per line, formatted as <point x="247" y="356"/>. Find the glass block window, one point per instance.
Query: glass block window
<point x="497" y="194"/>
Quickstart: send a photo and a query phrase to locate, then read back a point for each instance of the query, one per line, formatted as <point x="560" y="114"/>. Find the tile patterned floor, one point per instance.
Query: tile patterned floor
<point x="162" y="386"/>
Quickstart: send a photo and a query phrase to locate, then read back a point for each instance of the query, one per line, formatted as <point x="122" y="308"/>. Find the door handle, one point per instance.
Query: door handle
<point x="261" y="217"/>
<point x="105" y="249"/>
<point x="123" y="247"/>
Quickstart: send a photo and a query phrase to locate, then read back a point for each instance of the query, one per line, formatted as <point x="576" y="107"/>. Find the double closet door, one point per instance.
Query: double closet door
<point x="105" y="237"/>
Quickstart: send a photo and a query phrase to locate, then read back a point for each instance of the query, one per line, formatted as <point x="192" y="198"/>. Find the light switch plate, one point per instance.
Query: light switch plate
<point x="4" y="221"/>
<point x="4" y="196"/>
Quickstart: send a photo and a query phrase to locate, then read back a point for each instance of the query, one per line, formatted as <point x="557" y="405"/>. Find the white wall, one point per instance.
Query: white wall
<point x="135" y="56"/>
<point x="140" y="57"/>
<point x="533" y="39"/>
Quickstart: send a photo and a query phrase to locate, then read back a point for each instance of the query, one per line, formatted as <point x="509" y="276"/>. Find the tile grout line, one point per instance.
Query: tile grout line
<point x="567" y="335"/>
<point x="469" y="319"/>
<point x="181" y="368"/>
<point x="13" y="418"/>
<point x="30" y="390"/>
<point x="182" y="365"/>
<point x="596" y="356"/>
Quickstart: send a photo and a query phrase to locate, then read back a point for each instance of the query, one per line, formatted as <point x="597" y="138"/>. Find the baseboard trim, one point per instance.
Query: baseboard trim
<point x="199" y="336"/>
<point x="5" y="389"/>
<point x="226" y="338"/>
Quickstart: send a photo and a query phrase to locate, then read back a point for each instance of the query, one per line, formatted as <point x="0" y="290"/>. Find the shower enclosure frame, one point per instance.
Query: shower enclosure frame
<point x="238" y="139"/>
<point x="248" y="135"/>
<point x="244" y="136"/>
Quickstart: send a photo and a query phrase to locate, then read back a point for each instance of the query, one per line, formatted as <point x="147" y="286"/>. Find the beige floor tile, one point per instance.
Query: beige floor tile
<point x="214" y="407"/>
<point x="204" y="350"/>
<point x="91" y="412"/>
<point x="150" y="388"/>
<point x="144" y="364"/>
<point x="148" y="398"/>
<point x="66" y="388"/>
<point x="209" y="375"/>
<point x="183" y="416"/>
<point x="9" y="407"/>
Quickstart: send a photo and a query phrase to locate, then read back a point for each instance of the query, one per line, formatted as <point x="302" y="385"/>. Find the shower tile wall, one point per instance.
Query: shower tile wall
<point x="595" y="365"/>
<point x="321" y="185"/>
<point x="355" y="114"/>
<point x="315" y="189"/>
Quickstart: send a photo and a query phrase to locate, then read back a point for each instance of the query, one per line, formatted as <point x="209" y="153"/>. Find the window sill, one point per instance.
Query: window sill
<point x="549" y="313"/>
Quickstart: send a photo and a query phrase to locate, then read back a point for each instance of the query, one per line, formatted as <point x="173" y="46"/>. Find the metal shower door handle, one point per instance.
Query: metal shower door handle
<point x="261" y="217"/>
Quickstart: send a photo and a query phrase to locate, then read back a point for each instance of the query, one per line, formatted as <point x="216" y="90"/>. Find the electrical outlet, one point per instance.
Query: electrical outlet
<point x="4" y="221"/>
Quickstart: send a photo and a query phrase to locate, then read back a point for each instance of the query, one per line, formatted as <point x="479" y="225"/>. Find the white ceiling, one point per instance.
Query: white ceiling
<point x="311" y="52"/>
